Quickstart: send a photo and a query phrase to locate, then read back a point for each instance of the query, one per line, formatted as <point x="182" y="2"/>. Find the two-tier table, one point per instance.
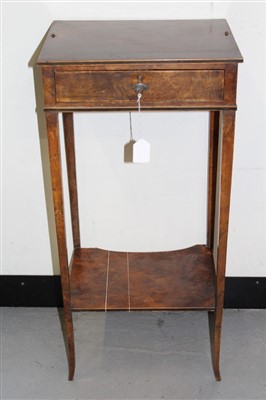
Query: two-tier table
<point x="176" y="65"/>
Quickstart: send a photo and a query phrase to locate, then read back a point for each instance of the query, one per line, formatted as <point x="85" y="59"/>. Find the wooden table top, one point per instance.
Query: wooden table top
<point x="77" y="42"/>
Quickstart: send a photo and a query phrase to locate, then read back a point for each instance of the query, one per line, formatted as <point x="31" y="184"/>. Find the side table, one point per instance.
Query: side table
<point x="176" y="65"/>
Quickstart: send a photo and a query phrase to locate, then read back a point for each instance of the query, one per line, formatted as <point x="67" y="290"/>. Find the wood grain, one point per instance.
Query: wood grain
<point x="172" y="40"/>
<point x="177" y="280"/>
<point x="71" y="174"/>
<point x="188" y="65"/>
<point x="88" y="278"/>
<point x="202" y="86"/>
<point x="48" y="86"/>
<point x="212" y="174"/>
<point x="104" y="87"/>
<point x="56" y="175"/>
<point x="226" y="148"/>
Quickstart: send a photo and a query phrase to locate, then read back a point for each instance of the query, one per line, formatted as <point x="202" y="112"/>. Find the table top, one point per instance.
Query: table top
<point x="76" y="42"/>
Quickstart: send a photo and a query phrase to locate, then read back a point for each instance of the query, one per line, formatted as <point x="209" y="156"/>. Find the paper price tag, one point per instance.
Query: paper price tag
<point x="141" y="151"/>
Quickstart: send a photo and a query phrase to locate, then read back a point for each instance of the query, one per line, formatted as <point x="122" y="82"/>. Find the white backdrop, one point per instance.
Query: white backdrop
<point x="158" y="206"/>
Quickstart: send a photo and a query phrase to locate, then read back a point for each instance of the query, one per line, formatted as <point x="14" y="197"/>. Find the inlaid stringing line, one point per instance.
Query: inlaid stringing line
<point x="107" y="279"/>
<point x="128" y="286"/>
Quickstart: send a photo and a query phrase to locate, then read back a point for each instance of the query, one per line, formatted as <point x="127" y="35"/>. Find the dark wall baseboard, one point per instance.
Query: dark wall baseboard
<point x="30" y="291"/>
<point x="45" y="291"/>
<point x="245" y="292"/>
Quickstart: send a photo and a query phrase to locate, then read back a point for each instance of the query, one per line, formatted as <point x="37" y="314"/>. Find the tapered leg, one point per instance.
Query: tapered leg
<point x="212" y="174"/>
<point x="56" y="176"/>
<point x="226" y="147"/>
<point x="71" y="173"/>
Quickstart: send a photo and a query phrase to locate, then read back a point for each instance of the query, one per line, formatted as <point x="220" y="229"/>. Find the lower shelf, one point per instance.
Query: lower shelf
<point x="107" y="280"/>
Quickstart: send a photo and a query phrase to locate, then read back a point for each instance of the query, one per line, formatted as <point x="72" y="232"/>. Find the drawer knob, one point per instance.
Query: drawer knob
<point x="140" y="87"/>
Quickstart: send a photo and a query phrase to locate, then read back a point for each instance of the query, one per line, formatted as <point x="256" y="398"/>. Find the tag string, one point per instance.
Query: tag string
<point x="130" y="125"/>
<point x="130" y="118"/>
<point x="139" y="97"/>
<point x="139" y="118"/>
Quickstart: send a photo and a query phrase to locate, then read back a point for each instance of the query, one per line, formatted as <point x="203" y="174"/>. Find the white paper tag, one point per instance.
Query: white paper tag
<point x="141" y="151"/>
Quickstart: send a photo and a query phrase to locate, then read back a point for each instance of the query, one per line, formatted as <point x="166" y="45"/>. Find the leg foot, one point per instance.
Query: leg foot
<point x="215" y="341"/>
<point x="65" y="317"/>
<point x="70" y="345"/>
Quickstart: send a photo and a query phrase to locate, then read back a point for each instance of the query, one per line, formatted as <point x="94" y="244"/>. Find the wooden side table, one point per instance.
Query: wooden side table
<point x="178" y="65"/>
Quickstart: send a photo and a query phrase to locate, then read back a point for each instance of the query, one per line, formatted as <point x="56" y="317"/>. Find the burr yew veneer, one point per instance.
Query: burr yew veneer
<point x="176" y="65"/>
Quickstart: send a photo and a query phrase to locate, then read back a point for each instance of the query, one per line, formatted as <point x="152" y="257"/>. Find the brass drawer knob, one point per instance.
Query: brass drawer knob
<point x="140" y="87"/>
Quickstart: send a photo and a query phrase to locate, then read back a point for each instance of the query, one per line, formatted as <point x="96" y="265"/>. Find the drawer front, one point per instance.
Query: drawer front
<point x="115" y="88"/>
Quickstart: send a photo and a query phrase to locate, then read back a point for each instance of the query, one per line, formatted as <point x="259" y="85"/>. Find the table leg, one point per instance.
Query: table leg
<point x="71" y="173"/>
<point x="226" y="147"/>
<point x="56" y="176"/>
<point x="212" y="174"/>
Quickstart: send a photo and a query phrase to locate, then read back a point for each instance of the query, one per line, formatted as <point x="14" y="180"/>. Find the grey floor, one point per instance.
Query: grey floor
<point x="137" y="355"/>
